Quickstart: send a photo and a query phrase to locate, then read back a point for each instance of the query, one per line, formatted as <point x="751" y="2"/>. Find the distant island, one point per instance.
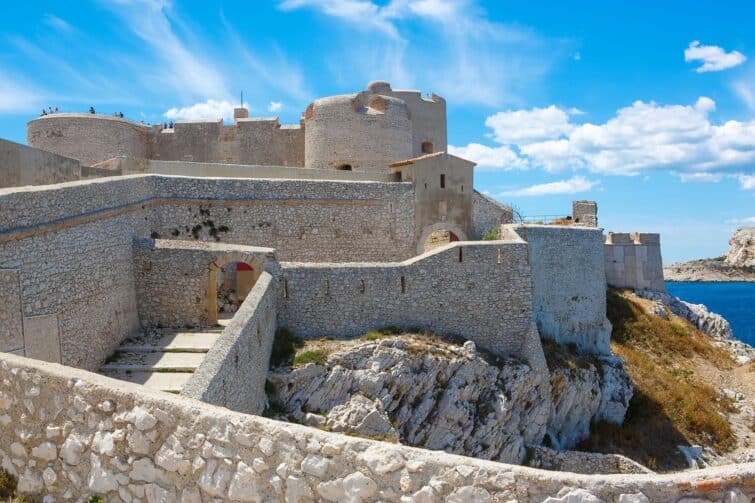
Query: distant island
<point x="738" y="264"/>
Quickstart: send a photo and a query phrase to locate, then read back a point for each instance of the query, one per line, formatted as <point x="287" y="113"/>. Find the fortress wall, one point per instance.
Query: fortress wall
<point x="203" y="169"/>
<point x="634" y="261"/>
<point x="568" y="278"/>
<point x="176" y="281"/>
<point x="305" y="220"/>
<point x="193" y="141"/>
<point x="365" y="131"/>
<point x="21" y="165"/>
<point x="89" y="138"/>
<point x="585" y="213"/>
<point x="428" y="117"/>
<point x="266" y="142"/>
<point x="234" y="372"/>
<point x="480" y="291"/>
<point x="72" y="260"/>
<point x="488" y="214"/>
<point x="193" y="451"/>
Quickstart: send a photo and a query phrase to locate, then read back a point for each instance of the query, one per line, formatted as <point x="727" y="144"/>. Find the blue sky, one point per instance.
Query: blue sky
<point x="646" y="107"/>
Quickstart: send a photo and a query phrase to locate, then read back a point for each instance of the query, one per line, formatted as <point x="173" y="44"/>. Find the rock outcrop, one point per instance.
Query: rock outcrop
<point x="738" y="264"/>
<point x="742" y="248"/>
<point x="704" y="320"/>
<point x="425" y="392"/>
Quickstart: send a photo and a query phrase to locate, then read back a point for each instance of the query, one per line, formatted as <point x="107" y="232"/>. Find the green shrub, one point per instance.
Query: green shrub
<point x="493" y="234"/>
<point x="318" y="357"/>
<point x="7" y="484"/>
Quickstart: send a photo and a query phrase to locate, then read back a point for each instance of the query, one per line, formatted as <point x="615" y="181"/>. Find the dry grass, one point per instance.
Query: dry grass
<point x="672" y="406"/>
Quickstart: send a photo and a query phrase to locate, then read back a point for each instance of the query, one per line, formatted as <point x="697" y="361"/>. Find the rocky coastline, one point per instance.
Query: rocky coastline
<point x="738" y="264"/>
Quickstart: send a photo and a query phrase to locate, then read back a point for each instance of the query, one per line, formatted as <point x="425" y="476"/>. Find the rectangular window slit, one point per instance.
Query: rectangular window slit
<point x="499" y="256"/>
<point x="442" y="181"/>
<point x="460" y="256"/>
<point x="403" y="284"/>
<point x="285" y="288"/>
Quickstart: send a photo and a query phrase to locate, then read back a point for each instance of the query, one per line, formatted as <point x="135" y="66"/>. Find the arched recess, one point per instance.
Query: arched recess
<point x="455" y="233"/>
<point x="252" y="270"/>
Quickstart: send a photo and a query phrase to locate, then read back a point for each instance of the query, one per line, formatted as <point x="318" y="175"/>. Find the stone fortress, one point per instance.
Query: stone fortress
<point x="353" y="220"/>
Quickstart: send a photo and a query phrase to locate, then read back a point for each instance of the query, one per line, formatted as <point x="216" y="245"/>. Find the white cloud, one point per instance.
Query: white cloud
<point x="573" y="185"/>
<point x="700" y="177"/>
<point x="641" y="137"/>
<point x="529" y="126"/>
<point x="745" y="90"/>
<point x="490" y="158"/>
<point x="713" y="58"/>
<point x="747" y="182"/>
<point x="210" y="109"/>
<point x="362" y="13"/>
<point x="275" y="106"/>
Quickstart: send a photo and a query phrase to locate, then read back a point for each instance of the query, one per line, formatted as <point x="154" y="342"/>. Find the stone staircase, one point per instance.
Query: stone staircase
<point x="161" y="359"/>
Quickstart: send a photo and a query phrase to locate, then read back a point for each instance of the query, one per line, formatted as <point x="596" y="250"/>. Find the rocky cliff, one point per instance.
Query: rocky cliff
<point x="738" y="264"/>
<point x="423" y="391"/>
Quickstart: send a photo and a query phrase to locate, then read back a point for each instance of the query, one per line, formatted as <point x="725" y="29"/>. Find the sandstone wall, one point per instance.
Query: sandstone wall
<point x="234" y="372"/>
<point x="634" y="261"/>
<point x="568" y="284"/>
<point x="176" y="282"/>
<point x="89" y="138"/>
<point x="480" y="291"/>
<point x="91" y="435"/>
<point x="488" y="214"/>
<point x="21" y="165"/>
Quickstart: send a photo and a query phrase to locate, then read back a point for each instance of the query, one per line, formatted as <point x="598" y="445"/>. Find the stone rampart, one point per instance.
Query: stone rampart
<point x="234" y="371"/>
<point x="488" y="214"/>
<point x="480" y="291"/>
<point x="176" y="281"/>
<point x="634" y="261"/>
<point x="21" y="165"/>
<point x="568" y="284"/>
<point x="585" y="213"/>
<point x="91" y="435"/>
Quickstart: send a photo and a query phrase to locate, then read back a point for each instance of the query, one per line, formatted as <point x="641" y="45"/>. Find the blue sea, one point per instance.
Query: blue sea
<point x="734" y="301"/>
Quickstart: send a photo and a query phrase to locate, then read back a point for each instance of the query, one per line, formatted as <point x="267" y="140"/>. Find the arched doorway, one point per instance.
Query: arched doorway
<point x="437" y="235"/>
<point x="230" y="282"/>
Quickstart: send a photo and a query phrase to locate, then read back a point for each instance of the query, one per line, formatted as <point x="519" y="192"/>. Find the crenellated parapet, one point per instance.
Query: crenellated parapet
<point x="634" y="261"/>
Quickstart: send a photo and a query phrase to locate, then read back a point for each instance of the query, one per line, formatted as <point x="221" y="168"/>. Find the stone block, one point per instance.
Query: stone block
<point x="42" y="337"/>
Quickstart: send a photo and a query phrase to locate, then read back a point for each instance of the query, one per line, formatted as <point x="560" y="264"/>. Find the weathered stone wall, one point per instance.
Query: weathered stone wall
<point x="568" y="284"/>
<point x="365" y="131"/>
<point x="21" y="165"/>
<point x="585" y="213"/>
<point x="428" y="116"/>
<point x="90" y="435"/>
<point x="480" y="291"/>
<point x="634" y="261"/>
<point x="488" y="214"/>
<point x="306" y="220"/>
<point x="176" y="282"/>
<point x="234" y="371"/>
<point x="128" y="166"/>
<point x="70" y="245"/>
<point x="89" y="138"/>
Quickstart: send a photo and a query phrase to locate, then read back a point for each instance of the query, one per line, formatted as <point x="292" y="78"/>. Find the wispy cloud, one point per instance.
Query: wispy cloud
<point x="466" y="57"/>
<point x="743" y="220"/>
<point x="747" y="182"/>
<point x="712" y="57"/>
<point x="210" y="109"/>
<point x="275" y="106"/>
<point x="17" y="96"/>
<point x="58" y="23"/>
<point x="573" y="185"/>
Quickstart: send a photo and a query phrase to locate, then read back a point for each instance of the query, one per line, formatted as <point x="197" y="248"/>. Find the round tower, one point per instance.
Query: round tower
<point x="87" y="137"/>
<point x="362" y="132"/>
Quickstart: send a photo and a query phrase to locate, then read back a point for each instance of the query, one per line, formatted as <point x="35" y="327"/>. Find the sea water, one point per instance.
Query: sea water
<point x="734" y="300"/>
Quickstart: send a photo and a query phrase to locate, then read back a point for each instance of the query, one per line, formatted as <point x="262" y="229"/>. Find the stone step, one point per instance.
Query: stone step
<point x="190" y="342"/>
<point x="172" y="382"/>
<point x="154" y="361"/>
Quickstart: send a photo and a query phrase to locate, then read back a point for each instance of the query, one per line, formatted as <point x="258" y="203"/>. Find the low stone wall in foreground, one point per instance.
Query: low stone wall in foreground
<point x="71" y="434"/>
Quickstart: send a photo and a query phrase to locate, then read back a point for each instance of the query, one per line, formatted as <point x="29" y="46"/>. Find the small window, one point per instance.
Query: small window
<point x="343" y="167"/>
<point x="442" y="181"/>
<point x="403" y="284"/>
<point x="460" y="255"/>
<point x="427" y="147"/>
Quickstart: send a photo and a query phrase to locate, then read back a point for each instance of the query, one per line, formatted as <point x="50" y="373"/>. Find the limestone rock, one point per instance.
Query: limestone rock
<point x="742" y="248"/>
<point x="431" y="394"/>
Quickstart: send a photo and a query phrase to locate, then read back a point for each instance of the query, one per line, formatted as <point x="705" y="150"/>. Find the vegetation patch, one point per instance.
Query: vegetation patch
<point x="493" y="234"/>
<point x="318" y="357"/>
<point x="284" y="348"/>
<point x="671" y="406"/>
